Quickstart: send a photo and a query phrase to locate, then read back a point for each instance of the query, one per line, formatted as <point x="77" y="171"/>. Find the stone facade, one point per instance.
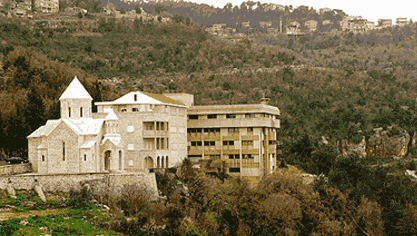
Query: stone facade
<point x="136" y="132"/>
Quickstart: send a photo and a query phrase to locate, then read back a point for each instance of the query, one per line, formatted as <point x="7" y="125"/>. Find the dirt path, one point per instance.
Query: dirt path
<point x="10" y="215"/>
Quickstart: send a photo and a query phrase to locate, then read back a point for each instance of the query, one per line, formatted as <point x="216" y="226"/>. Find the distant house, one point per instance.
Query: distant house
<point x="402" y="21"/>
<point x="385" y="23"/>
<point x="354" y="23"/>
<point x="219" y="26"/>
<point x="370" y="25"/>
<point x="303" y="8"/>
<point x="311" y="25"/>
<point x="47" y="6"/>
<point x="246" y="24"/>
<point x="327" y="22"/>
<point x="323" y="10"/>
<point x="265" y="24"/>
<point x="272" y="30"/>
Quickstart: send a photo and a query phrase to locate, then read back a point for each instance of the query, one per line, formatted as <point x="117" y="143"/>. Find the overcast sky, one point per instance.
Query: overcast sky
<point x="370" y="10"/>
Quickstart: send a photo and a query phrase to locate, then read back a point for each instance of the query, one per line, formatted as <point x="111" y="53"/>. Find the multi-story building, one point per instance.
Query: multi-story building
<point x="311" y="25"/>
<point x="370" y="25"/>
<point x="265" y="24"/>
<point x="384" y="23"/>
<point x="243" y="136"/>
<point x="353" y="23"/>
<point x="138" y="131"/>
<point x="323" y="10"/>
<point x="402" y="21"/>
<point x="50" y="6"/>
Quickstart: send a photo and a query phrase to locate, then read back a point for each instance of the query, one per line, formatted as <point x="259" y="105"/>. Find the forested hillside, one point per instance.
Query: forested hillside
<point x="367" y="81"/>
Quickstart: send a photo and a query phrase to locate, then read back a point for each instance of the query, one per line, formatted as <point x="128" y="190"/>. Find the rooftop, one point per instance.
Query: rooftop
<point x="75" y="90"/>
<point x="143" y="98"/>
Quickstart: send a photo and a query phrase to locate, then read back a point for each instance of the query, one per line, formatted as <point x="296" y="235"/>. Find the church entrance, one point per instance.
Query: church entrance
<point x="107" y="155"/>
<point x="148" y="162"/>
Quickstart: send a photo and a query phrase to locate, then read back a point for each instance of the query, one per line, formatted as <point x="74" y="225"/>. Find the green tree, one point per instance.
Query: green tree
<point x="35" y="110"/>
<point x="138" y="10"/>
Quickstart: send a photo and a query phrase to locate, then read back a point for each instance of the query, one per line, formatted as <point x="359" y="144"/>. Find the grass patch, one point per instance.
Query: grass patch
<point x="74" y="223"/>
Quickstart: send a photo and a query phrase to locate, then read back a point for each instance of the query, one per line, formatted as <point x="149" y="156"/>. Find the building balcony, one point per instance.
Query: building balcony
<point x="195" y="137"/>
<point x="212" y="151"/>
<point x="249" y="150"/>
<point x="212" y="137"/>
<point x="149" y="133"/>
<point x="230" y="150"/>
<point x="232" y="136"/>
<point x="195" y="150"/>
<point x="234" y="122"/>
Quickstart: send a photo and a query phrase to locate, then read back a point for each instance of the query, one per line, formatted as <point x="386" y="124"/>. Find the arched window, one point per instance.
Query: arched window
<point x="166" y="162"/>
<point x="162" y="162"/>
<point x="157" y="162"/>
<point x="120" y="160"/>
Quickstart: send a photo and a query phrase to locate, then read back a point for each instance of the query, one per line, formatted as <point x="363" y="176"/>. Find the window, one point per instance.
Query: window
<point x="196" y="143"/>
<point x="229" y="116"/>
<point x="272" y="142"/>
<point x="247" y="142"/>
<point x="85" y="157"/>
<point x="120" y="160"/>
<point x="228" y="143"/>
<point x="63" y="151"/>
<point x="234" y="170"/>
<point x="276" y="116"/>
<point x="135" y="97"/>
<point x="124" y="110"/>
<point x="193" y="117"/>
<point x="250" y="115"/>
<point x="247" y="156"/>
<point x="212" y="116"/>
<point x="43" y="158"/>
<point x="235" y="156"/>
<point x="69" y="111"/>
<point x="194" y="131"/>
<point x="210" y="143"/>
<point x="233" y="130"/>
<point x="135" y="109"/>
<point x="250" y="130"/>
<point x="81" y="112"/>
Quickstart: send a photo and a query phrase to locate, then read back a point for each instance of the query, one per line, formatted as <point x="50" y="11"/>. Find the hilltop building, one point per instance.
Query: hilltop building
<point x="49" y="6"/>
<point x="244" y="136"/>
<point x="323" y="10"/>
<point x="311" y="25"/>
<point x="137" y="131"/>
<point x="141" y="130"/>
<point x="402" y="21"/>
<point x="384" y="23"/>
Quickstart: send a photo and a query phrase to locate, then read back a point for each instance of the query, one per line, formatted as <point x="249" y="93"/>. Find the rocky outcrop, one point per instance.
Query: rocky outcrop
<point x="392" y="141"/>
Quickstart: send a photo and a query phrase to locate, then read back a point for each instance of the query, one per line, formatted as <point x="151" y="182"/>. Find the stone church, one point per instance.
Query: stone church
<point x="138" y="131"/>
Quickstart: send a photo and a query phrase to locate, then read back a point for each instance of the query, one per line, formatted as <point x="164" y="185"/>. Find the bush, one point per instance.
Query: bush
<point x="80" y="15"/>
<point x="80" y="199"/>
<point x="135" y="198"/>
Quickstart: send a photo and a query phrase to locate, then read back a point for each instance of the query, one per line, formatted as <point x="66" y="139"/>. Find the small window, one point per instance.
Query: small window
<point x="193" y="117"/>
<point x="233" y="130"/>
<point x="81" y="112"/>
<point x="212" y="116"/>
<point x="135" y="97"/>
<point x="69" y="111"/>
<point x="250" y="130"/>
<point x="249" y="115"/>
<point x="234" y="170"/>
<point x="276" y="116"/>
<point x="124" y="110"/>
<point x="229" y="116"/>
<point x="85" y="157"/>
<point x="231" y="142"/>
<point x="63" y="151"/>
<point x="43" y="158"/>
<point x="135" y="109"/>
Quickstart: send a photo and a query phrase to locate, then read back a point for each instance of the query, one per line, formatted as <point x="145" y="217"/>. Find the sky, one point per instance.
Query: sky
<point x="370" y="10"/>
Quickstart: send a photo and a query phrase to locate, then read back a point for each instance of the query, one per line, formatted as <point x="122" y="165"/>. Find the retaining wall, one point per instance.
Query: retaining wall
<point x="66" y="182"/>
<point x="15" y="169"/>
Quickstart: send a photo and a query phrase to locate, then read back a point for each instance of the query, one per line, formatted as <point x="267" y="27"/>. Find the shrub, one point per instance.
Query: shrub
<point x="412" y="165"/>
<point x="80" y="199"/>
<point x="80" y="15"/>
<point x="134" y="199"/>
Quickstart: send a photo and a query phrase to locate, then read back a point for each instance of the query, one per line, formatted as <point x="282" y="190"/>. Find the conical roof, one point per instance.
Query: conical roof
<point x="111" y="116"/>
<point x="75" y="90"/>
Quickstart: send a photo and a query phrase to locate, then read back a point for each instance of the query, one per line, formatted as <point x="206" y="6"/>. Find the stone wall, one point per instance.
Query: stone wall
<point x="15" y="169"/>
<point x="66" y="182"/>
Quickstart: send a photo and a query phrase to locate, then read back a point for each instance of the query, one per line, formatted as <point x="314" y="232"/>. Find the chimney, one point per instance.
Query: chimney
<point x="265" y="101"/>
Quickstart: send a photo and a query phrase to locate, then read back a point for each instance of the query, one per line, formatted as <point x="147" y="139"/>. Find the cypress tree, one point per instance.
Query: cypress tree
<point x="35" y="111"/>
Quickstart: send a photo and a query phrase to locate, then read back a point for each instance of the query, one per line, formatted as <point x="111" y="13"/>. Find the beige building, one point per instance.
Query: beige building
<point x="402" y="21"/>
<point x="244" y="136"/>
<point x="384" y="23"/>
<point x="135" y="132"/>
<point x="311" y="25"/>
